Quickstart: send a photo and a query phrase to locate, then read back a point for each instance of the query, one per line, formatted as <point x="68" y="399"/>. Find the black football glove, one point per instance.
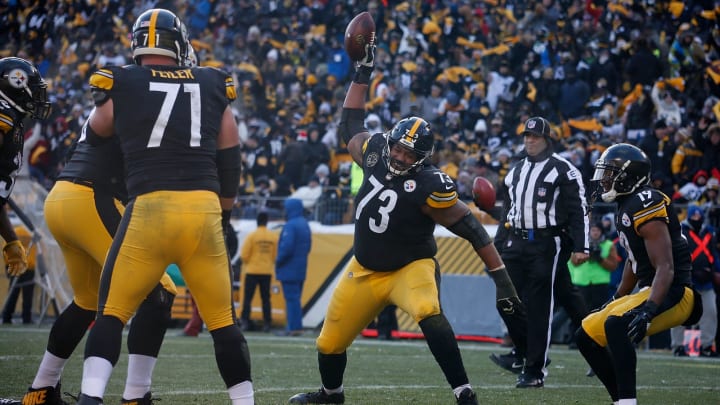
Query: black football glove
<point x="364" y="67"/>
<point x="226" y="221"/>
<point x="505" y="295"/>
<point x="641" y="318"/>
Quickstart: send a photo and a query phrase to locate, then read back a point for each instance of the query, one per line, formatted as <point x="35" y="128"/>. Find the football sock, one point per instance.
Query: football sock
<point x="96" y="373"/>
<point x="440" y="339"/>
<point x="627" y="401"/>
<point x="242" y="393"/>
<point x="49" y="372"/>
<point x="458" y="390"/>
<point x="332" y="369"/>
<point x="139" y="376"/>
<point x="337" y="390"/>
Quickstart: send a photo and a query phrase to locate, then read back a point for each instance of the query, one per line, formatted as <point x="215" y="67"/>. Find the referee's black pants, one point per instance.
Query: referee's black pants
<point x="532" y="265"/>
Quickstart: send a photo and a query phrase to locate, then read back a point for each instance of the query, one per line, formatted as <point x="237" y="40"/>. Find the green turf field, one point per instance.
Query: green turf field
<point x="379" y="372"/>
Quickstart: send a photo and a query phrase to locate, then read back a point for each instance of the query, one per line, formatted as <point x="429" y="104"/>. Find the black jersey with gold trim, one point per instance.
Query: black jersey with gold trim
<point x="634" y="211"/>
<point x="166" y="116"/>
<point x="101" y="166"/>
<point x="390" y="228"/>
<point x="11" y="130"/>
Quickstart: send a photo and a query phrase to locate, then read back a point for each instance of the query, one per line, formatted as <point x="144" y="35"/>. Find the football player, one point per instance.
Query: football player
<point x="658" y="264"/>
<point x="400" y="201"/>
<point x="182" y="158"/>
<point x="23" y="94"/>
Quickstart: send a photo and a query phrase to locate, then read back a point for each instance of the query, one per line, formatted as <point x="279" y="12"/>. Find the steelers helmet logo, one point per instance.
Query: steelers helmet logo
<point x="18" y="78"/>
<point x="625" y="220"/>
<point x="410" y="186"/>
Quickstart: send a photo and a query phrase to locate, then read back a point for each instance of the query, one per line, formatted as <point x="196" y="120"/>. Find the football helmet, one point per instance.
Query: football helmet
<point x="191" y="58"/>
<point x="159" y="32"/>
<point x="23" y="88"/>
<point x="621" y="169"/>
<point x="413" y="133"/>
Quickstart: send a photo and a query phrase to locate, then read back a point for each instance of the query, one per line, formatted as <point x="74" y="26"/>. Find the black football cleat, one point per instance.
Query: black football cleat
<point x="708" y="351"/>
<point x="8" y="401"/>
<point x="88" y="400"/>
<point x="318" y="397"/>
<point x="145" y="400"/>
<point x="467" y="397"/>
<point x="43" y="396"/>
<point x="528" y="381"/>
<point x="510" y="362"/>
<point x="680" y="352"/>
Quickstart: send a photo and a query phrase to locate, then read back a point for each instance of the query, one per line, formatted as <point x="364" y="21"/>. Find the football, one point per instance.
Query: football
<point x="359" y="32"/>
<point x="483" y="193"/>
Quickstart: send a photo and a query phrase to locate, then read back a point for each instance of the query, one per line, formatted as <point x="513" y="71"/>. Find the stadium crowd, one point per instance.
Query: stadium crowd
<point x="646" y="72"/>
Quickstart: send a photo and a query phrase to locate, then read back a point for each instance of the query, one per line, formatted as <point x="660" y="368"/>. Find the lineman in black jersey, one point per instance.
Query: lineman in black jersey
<point x="182" y="156"/>
<point x="83" y="211"/>
<point x="658" y="264"/>
<point x="401" y="199"/>
<point x="23" y="94"/>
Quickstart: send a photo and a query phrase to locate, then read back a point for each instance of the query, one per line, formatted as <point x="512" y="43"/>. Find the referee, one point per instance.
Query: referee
<point x="545" y="210"/>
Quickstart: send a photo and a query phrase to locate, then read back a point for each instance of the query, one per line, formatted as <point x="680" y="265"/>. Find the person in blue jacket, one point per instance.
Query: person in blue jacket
<point x="291" y="263"/>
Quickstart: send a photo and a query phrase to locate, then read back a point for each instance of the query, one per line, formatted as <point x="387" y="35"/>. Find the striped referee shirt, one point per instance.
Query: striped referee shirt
<point x="547" y="191"/>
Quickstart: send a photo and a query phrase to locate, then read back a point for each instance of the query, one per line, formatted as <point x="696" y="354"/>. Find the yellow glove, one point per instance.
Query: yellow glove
<point x="15" y="258"/>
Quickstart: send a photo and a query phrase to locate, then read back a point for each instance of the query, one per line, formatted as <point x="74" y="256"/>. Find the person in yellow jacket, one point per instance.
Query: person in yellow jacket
<point x="258" y="255"/>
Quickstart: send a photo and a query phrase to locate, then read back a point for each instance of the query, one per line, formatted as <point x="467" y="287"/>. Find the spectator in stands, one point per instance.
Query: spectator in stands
<point x="111" y="57"/>
<point x="711" y="150"/>
<point x="309" y="194"/>
<point x="685" y="55"/>
<point x="292" y="159"/>
<point x="710" y="202"/>
<point x="317" y="153"/>
<point x="498" y="82"/>
<point x="687" y="159"/>
<point x="643" y="67"/>
<point x="692" y="191"/>
<point x="574" y="94"/>
<point x="660" y="148"/>
<point x="638" y="116"/>
<point x="666" y="107"/>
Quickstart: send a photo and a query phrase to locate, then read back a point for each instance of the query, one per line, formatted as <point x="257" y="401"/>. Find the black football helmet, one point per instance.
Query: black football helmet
<point x="191" y="58"/>
<point x="621" y="169"/>
<point x="159" y="32"/>
<point x="22" y="87"/>
<point x="413" y="133"/>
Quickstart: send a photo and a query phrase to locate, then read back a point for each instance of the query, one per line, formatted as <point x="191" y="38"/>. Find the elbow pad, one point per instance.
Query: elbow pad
<point x="471" y="229"/>
<point x="352" y="121"/>
<point x="229" y="169"/>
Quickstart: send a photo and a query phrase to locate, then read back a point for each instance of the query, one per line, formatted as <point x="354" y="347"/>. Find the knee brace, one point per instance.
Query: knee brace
<point x="231" y="354"/>
<point x="147" y="329"/>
